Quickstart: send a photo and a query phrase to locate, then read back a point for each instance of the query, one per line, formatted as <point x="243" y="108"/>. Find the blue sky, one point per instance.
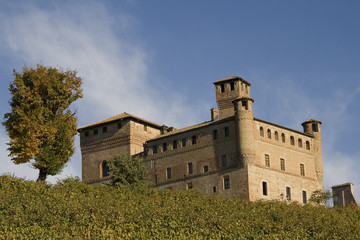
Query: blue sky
<point x="157" y="59"/>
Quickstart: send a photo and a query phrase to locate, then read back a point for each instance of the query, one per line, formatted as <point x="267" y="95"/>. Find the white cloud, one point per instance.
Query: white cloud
<point x="113" y="68"/>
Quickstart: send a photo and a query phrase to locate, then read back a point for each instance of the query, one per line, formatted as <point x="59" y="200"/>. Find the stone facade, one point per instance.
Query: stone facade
<point x="233" y="154"/>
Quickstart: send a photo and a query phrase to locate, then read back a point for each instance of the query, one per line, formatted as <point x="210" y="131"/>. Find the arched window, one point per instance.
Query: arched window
<point x="307" y="145"/>
<point x="276" y="136"/>
<point x="269" y="133"/>
<point x="292" y="140"/>
<point x="105" y="169"/>
<point x="300" y="142"/>
<point x="283" y="137"/>
<point x="261" y="131"/>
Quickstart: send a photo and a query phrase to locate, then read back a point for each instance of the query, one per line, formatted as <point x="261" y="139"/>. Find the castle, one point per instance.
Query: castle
<point x="233" y="154"/>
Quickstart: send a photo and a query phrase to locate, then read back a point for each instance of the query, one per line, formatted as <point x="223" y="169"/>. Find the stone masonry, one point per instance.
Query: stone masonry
<point x="233" y="154"/>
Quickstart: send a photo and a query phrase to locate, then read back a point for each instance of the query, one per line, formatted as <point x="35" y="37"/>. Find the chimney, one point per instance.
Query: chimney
<point x="214" y="114"/>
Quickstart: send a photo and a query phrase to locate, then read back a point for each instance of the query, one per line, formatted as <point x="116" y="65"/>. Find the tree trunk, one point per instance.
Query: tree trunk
<point x="42" y="176"/>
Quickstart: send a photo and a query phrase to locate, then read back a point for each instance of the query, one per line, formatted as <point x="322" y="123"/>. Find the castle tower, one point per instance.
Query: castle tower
<point x="227" y="90"/>
<point x="244" y="120"/>
<point x="312" y="126"/>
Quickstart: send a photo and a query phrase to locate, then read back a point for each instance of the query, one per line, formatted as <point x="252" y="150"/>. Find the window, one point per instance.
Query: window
<point x="175" y="144"/>
<point x="183" y="142"/>
<point x="246" y="88"/>
<point x="304" y="197"/>
<point x="214" y="189"/>
<point x="315" y="127"/>
<point x="154" y="149"/>
<point x="292" y="140"/>
<point x="168" y="173"/>
<point x="269" y="133"/>
<point x="267" y="160"/>
<point x="244" y="105"/>
<point x="302" y="170"/>
<point x="145" y="128"/>
<point x="206" y="169"/>
<point x="282" y="164"/>
<point x="105" y="169"/>
<point x="96" y="131"/>
<point x="164" y="147"/>
<point x="119" y="125"/>
<point x="261" y="131"/>
<point x="215" y="134"/>
<point x="222" y="86"/>
<point x="300" y="142"/>
<point x="232" y="86"/>
<point x="189" y="185"/>
<point x="276" y="136"/>
<point x="264" y="188"/>
<point x="86" y="133"/>
<point x="190" y="168"/>
<point x="223" y="161"/>
<point x="193" y="140"/>
<point x="104" y="129"/>
<point x="226" y="182"/>
<point x="227" y="133"/>
<point x="283" y="137"/>
<point x="307" y="143"/>
<point x="242" y="87"/>
<point x="288" y="193"/>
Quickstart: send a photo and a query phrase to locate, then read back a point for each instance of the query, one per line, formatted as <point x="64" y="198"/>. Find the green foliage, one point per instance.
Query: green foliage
<point x="127" y="170"/>
<point x="40" y="125"/>
<point x="73" y="210"/>
<point x="320" y="197"/>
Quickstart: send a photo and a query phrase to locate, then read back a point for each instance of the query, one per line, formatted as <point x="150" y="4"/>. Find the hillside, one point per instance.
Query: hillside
<point x="73" y="210"/>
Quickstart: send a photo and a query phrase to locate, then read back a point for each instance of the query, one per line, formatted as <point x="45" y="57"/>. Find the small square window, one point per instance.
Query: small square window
<point x="168" y="173"/>
<point x="288" y="193"/>
<point x="264" y="188"/>
<point x="190" y="168"/>
<point x="222" y="86"/>
<point x="215" y="134"/>
<point x="223" y="161"/>
<point x="226" y="182"/>
<point x="96" y="131"/>
<point x="145" y="128"/>
<point x="227" y="132"/>
<point x="232" y="86"/>
<point x="193" y="140"/>
<point x="154" y="149"/>
<point x="267" y="160"/>
<point x="86" y="134"/>
<point x="189" y="185"/>
<point x="183" y="142"/>
<point x="304" y="198"/>
<point x="104" y="129"/>
<point x="206" y="169"/>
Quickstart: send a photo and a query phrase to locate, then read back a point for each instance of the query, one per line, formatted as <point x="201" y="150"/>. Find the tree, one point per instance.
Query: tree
<point x="40" y="125"/>
<point x="127" y="170"/>
<point x="320" y="197"/>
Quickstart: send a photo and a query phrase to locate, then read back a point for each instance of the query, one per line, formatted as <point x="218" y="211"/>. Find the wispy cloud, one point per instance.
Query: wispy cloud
<point x="113" y="68"/>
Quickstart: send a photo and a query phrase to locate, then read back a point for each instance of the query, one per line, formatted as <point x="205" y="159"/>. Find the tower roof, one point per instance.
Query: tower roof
<point x="232" y="78"/>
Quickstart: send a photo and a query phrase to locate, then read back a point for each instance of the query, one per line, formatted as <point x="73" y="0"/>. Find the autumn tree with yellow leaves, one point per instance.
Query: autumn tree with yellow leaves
<point x="40" y="125"/>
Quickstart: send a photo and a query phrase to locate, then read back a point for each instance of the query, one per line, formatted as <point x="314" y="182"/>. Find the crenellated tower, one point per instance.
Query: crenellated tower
<point x="312" y="126"/>
<point x="228" y="90"/>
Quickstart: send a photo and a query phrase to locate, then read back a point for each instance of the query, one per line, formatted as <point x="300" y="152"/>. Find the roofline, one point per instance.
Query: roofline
<point x="232" y="78"/>
<point x="200" y="125"/>
<point x="286" y="128"/>
<point x="129" y="116"/>
<point x="343" y="185"/>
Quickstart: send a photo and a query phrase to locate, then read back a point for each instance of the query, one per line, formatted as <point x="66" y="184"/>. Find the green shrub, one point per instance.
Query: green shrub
<point x="73" y="210"/>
